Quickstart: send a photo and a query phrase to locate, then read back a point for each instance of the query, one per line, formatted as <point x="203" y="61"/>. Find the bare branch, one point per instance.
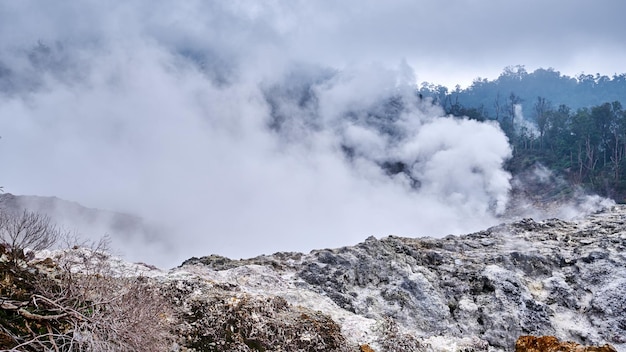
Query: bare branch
<point x="38" y="317"/>
<point x="86" y="305"/>
<point x="26" y="231"/>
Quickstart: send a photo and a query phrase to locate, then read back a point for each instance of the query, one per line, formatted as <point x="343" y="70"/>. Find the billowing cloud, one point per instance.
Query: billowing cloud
<point x="242" y="128"/>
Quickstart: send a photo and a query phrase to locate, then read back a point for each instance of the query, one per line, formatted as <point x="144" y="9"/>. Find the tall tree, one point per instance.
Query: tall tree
<point x="541" y="108"/>
<point x="618" y="139"/>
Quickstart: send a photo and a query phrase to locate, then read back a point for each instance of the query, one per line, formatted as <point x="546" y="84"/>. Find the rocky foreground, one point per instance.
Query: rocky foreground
<point x="474" y="292"/>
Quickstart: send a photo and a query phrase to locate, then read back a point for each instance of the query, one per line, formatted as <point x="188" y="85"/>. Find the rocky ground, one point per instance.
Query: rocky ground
<point x="474" y="292"/>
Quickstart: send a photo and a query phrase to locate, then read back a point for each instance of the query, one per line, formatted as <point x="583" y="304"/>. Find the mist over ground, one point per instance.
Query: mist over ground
<point x="234" y="128"/>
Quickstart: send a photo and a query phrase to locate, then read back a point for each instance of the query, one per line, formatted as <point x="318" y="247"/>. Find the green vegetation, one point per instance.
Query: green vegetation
<point x="491" y="97"/>
<point x="574" y="126"/>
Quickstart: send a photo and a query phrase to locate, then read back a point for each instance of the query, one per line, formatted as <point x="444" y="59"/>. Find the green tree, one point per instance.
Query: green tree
<point x="541" y="108"/>
<point x="617" y="128"/>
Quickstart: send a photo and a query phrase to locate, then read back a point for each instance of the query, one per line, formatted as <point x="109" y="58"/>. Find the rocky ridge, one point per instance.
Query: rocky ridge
<point x="471" y="292"/>
<point x="475" y="292"/>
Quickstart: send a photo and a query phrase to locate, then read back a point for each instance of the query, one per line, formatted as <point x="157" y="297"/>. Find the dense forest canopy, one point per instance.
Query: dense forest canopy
<point x="576" y="126"/>
<point x="489" y="97"/>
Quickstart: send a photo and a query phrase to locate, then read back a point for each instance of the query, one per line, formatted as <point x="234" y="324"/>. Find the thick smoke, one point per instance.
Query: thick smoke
<point x="206" y="120"/>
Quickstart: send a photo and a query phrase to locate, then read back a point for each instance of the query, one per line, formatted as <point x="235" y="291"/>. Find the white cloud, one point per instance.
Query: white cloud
<point x="161" y="109"/>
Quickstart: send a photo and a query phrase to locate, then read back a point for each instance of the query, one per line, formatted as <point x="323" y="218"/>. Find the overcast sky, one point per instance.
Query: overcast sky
<point x="448" y="42"/>
<point x="160" y="109"/>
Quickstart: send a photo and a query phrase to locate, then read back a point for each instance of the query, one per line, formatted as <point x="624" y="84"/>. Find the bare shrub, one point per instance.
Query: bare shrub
<point x="26" y="231"/>
<point x="84" y="304"/>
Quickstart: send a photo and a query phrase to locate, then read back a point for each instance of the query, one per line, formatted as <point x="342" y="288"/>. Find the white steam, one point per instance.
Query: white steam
<point x="208" y="120"/>
<point x="523" y="126"/>
<point x="541" y="194"/>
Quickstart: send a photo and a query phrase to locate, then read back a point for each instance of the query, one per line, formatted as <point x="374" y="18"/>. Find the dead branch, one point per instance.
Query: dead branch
<point x="38" y="317"/>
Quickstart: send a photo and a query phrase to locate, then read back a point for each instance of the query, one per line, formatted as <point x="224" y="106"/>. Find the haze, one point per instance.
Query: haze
<point x="191" y="114"/>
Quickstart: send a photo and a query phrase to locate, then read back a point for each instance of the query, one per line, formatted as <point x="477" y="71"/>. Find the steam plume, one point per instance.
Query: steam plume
<point x="211" y="121"/>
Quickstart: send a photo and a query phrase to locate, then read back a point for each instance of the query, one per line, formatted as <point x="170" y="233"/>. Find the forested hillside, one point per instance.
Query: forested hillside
<point x="573" y="125"/>
<point x="490" y="97"/>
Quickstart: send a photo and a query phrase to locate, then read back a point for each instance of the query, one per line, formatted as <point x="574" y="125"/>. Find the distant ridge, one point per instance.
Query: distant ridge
<point x="130" y="236"/>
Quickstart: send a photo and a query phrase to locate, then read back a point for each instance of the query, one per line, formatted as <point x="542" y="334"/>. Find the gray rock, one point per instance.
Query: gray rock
<point x="549" y="277"/>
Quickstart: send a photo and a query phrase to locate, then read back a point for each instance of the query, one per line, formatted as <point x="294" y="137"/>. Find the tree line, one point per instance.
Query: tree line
<point x="577" y="128"/>
<point x="588" y="145"/>
<point x="485" y="95"/>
